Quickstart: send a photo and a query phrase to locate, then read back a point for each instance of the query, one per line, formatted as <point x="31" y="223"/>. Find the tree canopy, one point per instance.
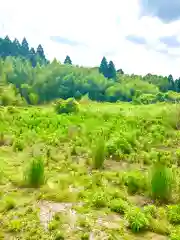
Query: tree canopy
<point x="26" y="72"/>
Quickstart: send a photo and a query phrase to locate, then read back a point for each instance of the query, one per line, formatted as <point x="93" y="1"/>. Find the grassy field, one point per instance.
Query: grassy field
<point x="110" y="171"/>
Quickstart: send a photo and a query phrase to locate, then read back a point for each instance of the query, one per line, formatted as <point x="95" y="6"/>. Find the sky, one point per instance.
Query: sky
<point x="139" y="36"/>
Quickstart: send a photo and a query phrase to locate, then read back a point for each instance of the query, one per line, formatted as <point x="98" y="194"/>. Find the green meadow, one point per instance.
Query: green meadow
<point x="108" y="171"/>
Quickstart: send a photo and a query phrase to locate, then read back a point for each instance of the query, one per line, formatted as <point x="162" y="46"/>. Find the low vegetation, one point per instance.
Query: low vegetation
<point x="107" y="170"/>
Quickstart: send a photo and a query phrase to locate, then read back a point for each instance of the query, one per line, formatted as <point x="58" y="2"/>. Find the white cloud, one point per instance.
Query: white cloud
<point x="101" y="25"/>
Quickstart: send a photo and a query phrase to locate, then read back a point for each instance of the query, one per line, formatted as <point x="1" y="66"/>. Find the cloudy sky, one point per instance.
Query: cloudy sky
<point x="140" y="36"/>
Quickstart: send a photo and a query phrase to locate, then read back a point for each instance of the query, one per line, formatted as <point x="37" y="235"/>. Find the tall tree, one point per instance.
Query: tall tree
<point x="104" y="67"/>
<point x="177" y="85"/>
<point x="68" y="60"/>
<point x="7" y="47"/>
<point x="40" y="55"/>
<point x="111" y="70"/>
<point x="171" y="83"/>
<point x="16" y="47"/>
<point x="32" y="57"/>
<point x="24" y="48"/>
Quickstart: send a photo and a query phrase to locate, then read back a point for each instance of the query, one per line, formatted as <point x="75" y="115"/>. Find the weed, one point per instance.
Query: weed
<point x="99" y="200"/>
<point x="136" y="182"/>
<point x="137" y="220"/>
<point x="119" y="206"/>
<point x="59" y="236"/>
<point x="85" y="236"/>
<point x="9" y="203"/>
<point x="15" y="225"/>
<point x="174" y="214"/>
<point x="18" y="145"/>
<point x="34" y="175"/>
<point x="99" y="154"/>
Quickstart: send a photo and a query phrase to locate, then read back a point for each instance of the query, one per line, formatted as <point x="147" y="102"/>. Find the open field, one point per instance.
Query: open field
<point x="90" y="175"/>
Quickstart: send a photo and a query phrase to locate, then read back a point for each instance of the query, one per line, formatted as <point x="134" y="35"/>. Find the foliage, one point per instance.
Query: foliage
<point x="174" y="214"/>
<point x="136" y="182"/>
<point x="99" y="199"/>
<point x="137" y="220"/>
<point x="14" y="48"/>
<point x="119" y="206"/>
<point x="66" y="106"/>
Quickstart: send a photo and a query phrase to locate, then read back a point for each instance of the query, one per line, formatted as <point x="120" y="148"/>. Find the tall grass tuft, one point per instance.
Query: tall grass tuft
<point x="161" y="182"/>
<point x="99" y="153"/>
<point x="34" y="175"/>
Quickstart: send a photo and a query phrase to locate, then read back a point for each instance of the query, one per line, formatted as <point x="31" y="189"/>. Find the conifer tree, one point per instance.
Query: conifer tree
<point x="68" y="60"/>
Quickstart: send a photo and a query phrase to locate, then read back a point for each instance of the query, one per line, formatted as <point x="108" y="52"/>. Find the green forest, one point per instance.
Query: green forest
<point x="26" y="76"/>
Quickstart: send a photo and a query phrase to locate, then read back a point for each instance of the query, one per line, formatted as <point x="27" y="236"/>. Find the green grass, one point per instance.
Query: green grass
<point x="34" y="174"/>
<point x="96" y="162"/>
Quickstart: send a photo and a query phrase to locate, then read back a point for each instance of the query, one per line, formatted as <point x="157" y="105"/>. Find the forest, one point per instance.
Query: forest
<point x="26" y="75"/>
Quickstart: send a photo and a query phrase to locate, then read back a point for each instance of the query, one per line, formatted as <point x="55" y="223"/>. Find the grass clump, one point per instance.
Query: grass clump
<point x="99" y="154"/>
<point x="161" y="182"/>
<point x="34" y="176"/>
<point x="137" y="220"/>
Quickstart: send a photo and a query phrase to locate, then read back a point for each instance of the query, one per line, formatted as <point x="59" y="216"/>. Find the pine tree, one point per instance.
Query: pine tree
<point x="68" y="60"/>
<point x="7" y="47"/>
<point x="104" y="67"/>
<point x="120" y="71"/>
<point x="16" y="47"/>
<point x="171" y="83"/>
<point x="177" y="85"/>
<point x="24" y="48"/>
<point x="111" y="70"/>
<point x="32" y="57"/>
<point x="40" y="56"/>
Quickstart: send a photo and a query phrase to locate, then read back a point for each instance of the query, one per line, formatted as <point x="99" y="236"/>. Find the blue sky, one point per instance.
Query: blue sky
<point x="140" y="36"/>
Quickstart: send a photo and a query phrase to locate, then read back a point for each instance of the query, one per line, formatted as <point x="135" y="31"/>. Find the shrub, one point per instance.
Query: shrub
<point x="175" y="234"/>
<point x="18" y="145"/>
<point x="159" y="226"/>
<point x="67" y="106"/>
<point x="99" y="154"/>
<point x="34" y="176"/>
<point x="9" y="203"/>
<point x="174" y="214"/>
<point x="136" y="182"/>
<point x="161" y="182"/>
<point x="99" y="200"/>
<point x="137" y="220"/>
<point x="59" y="236"/>
<point x="119" y="206"/>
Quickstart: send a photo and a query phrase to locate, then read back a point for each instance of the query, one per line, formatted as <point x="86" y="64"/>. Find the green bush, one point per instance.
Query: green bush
<point x="34" y="175"/>
<point x="137" y="220"/>
<point x="66" y="106"/>
<point x="136" y="182"/>
<point x="174" y="214"/>
<point x="99" y="153"/>
<point x="161" y="182"/>
<point x="99" y="200"/>
<point x="119" y="206"/>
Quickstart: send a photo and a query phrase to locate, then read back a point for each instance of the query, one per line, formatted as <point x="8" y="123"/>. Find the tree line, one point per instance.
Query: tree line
<point x="27" y="74"/>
